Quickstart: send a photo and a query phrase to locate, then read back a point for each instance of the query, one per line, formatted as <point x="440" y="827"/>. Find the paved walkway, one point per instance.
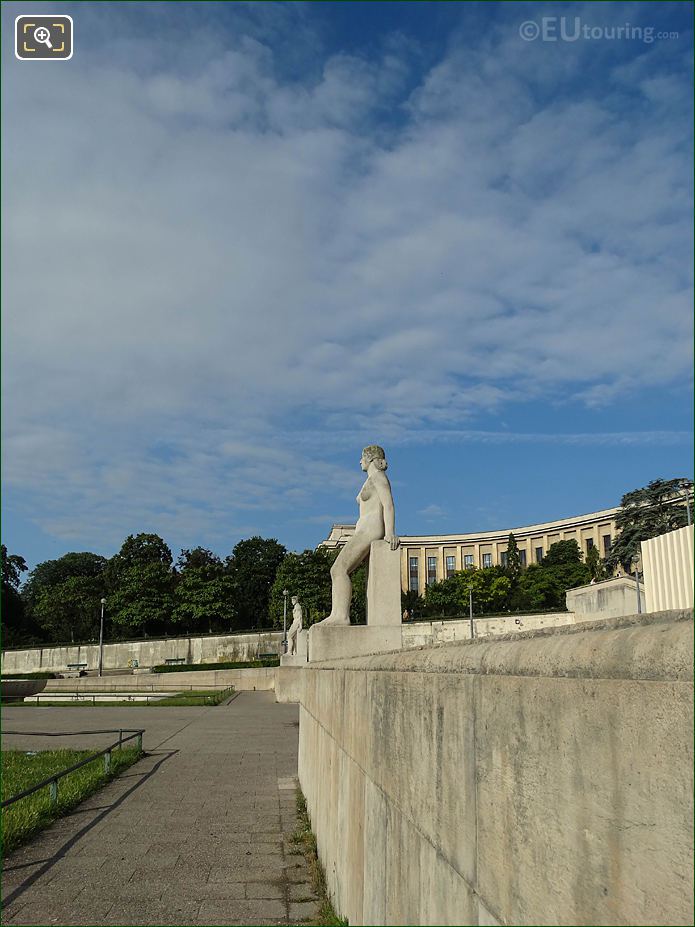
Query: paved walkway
<point x="196" y="833"/>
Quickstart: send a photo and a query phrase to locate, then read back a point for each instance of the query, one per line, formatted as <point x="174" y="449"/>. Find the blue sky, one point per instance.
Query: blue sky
<point x="243" y="240"/>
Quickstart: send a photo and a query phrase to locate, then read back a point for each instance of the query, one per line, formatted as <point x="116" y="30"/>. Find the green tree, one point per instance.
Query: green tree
<point x="412" y="602"/>
<point x="562" y="553"/>
<point x="654" y="509"/>
<point x="17" y="627"/>
<point x="62" y="596"/>
<point x="539" y="588"/>
<point x="596" y="566"/>
<point x="307" y="575"/>
<point x="253" y="566"/>
<point x="513" y="568"/>
<point x="70" y="611"/>
<point x="204" y="595"/>
<point x="140" y="584"/>
<point x="490" y="586"/>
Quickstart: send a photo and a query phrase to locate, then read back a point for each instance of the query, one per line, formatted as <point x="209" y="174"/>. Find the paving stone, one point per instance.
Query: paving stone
<point x="198" y="833"/>
<point x="301" y="911"/>
<point x="274" y="890"/>
<point x="301" y="891"/>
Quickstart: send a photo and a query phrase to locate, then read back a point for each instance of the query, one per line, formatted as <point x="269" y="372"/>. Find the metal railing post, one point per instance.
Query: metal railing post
<point x="54" y="791"/>
<point x="107" y="762"/>
<point x="139" y="742"/>
<point x="120" y="739"/>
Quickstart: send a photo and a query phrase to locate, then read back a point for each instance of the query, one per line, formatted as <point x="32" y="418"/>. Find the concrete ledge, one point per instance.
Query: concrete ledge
<point x="657" y="646"/>
<point x="340" y="642"/>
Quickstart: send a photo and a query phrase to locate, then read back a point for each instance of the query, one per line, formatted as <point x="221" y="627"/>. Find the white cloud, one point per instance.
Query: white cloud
<point x="244" y="265"/>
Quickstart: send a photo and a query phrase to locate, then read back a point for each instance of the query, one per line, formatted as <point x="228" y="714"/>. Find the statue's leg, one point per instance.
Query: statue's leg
<point x="349" y="558"/>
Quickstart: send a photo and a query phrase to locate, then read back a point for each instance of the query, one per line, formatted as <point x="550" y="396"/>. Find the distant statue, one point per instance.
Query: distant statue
<point x="376" y="523"/>
<point x="296" y="626"/>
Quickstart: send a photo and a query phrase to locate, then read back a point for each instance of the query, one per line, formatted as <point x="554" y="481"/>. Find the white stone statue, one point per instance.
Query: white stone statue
<point x="296" y="626"/>
<point x="376" y="523"/>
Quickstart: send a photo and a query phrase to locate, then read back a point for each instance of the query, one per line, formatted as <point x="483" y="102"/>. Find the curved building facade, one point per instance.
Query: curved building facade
<point x="429" y="558"/>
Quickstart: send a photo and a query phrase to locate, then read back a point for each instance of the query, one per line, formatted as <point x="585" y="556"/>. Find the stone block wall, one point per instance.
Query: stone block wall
<point x="545" y="778"/>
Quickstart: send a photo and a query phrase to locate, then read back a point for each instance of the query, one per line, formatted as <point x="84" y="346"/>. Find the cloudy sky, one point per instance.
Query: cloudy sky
<point x="242" y="240"/>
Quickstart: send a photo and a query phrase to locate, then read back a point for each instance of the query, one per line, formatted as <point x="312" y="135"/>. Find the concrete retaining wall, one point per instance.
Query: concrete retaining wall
<point x="262" y="678"/>
<point x="545" y="778"/>
<point x="424" y="634"/>
<point x="610" y="598"/>
<point x="214" y="649"/>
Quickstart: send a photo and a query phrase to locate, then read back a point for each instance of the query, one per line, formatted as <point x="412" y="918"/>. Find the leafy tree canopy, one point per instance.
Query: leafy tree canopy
<point x="17" y="627"/>
<point x="657" y="508"/>
<point x="307" y="575"/>
<point x="513" y="568"/>
<point x="52" y="573"/>
<point x="204" y="597"/>
<point x="12" y="568"/>
<point x="562" y="553"/>
<point x="253" y="566"/>
<point x="490" y="587"/>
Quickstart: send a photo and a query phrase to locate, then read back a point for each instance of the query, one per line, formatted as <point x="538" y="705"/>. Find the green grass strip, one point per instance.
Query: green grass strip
<point x="21" y="770"/>
<point x="304" y="838"/>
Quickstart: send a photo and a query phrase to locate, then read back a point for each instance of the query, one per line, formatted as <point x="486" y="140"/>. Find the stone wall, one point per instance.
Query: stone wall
<point x="425" y="633"/>
<point x="545" y="778"/>
<point x="254" y="678"/>
<point x="214" y="649"/>
<point x="610" y="598"/>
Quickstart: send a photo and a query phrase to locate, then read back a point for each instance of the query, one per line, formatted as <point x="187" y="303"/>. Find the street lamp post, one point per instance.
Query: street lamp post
<point x="687" y="504"/>
<point x="101" y="638"/>
<point x="285" y="593"/>
<point x="639" y="598"/>
<point x="470" y="612"/>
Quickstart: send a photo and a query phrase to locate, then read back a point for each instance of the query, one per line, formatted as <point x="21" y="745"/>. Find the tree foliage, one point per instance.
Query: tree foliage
<point x="253" y="566"/>
<point x="307" y="575"/>
<point x="490" y="587"/>
<point x="62" y="596"/>
<point x="16" y="627"/>
<point x="204" y="596"/>
<point x="654" y="509"/>
<point x="140" y="585"/>
<point x="513" y="568"/>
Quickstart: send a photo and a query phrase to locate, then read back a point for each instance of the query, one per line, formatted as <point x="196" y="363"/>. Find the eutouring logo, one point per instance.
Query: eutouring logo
<point x="572" y="29"/>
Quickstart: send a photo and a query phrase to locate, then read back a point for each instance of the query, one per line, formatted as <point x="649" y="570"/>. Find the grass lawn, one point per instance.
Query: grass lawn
<point x="21" y="769"/>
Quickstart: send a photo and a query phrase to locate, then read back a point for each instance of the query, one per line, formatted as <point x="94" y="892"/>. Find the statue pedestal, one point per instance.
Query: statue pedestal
<point x="383" y="585"/>
<point x="336" y="642"/>
<point x="302" y="655"/>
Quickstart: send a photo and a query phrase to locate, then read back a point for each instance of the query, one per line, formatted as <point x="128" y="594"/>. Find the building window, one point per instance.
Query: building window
<point x="522" y="559"/>
<point x="468" y="562"/>
<point x="539" y="555"/>
<point x="487" y="560"/>
<point x="504" y="559"/>
<point x="606" y="544"/>
<point x="413" y="574"/>
<point x="431" y="570"/>
<point x="450" y="566"/>
<point x="589" y="544"/>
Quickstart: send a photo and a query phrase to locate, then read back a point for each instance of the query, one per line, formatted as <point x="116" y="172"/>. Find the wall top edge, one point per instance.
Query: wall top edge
<point x="649" y="647"/>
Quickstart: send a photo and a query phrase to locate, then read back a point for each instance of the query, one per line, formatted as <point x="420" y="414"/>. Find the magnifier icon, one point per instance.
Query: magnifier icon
<point x="43" y="35"/>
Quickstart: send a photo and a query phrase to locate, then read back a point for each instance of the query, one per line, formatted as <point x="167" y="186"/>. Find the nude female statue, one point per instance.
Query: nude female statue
<point x="296" y="626"/>
<point x="376" y="522"/>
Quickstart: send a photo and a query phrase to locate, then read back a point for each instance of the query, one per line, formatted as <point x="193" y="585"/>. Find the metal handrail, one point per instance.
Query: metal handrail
<point x="52" y="781"/>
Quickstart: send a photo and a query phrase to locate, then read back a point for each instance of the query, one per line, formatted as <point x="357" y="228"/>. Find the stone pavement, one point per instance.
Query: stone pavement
<point x="196" y="833"/>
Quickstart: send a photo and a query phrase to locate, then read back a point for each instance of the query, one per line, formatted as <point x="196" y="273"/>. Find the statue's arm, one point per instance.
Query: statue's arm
<point x="383" y="488"/>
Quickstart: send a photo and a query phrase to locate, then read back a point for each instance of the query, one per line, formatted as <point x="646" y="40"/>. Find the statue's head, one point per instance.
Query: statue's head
<point x="373" y="454"/>
<point x="295" y="599"/>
